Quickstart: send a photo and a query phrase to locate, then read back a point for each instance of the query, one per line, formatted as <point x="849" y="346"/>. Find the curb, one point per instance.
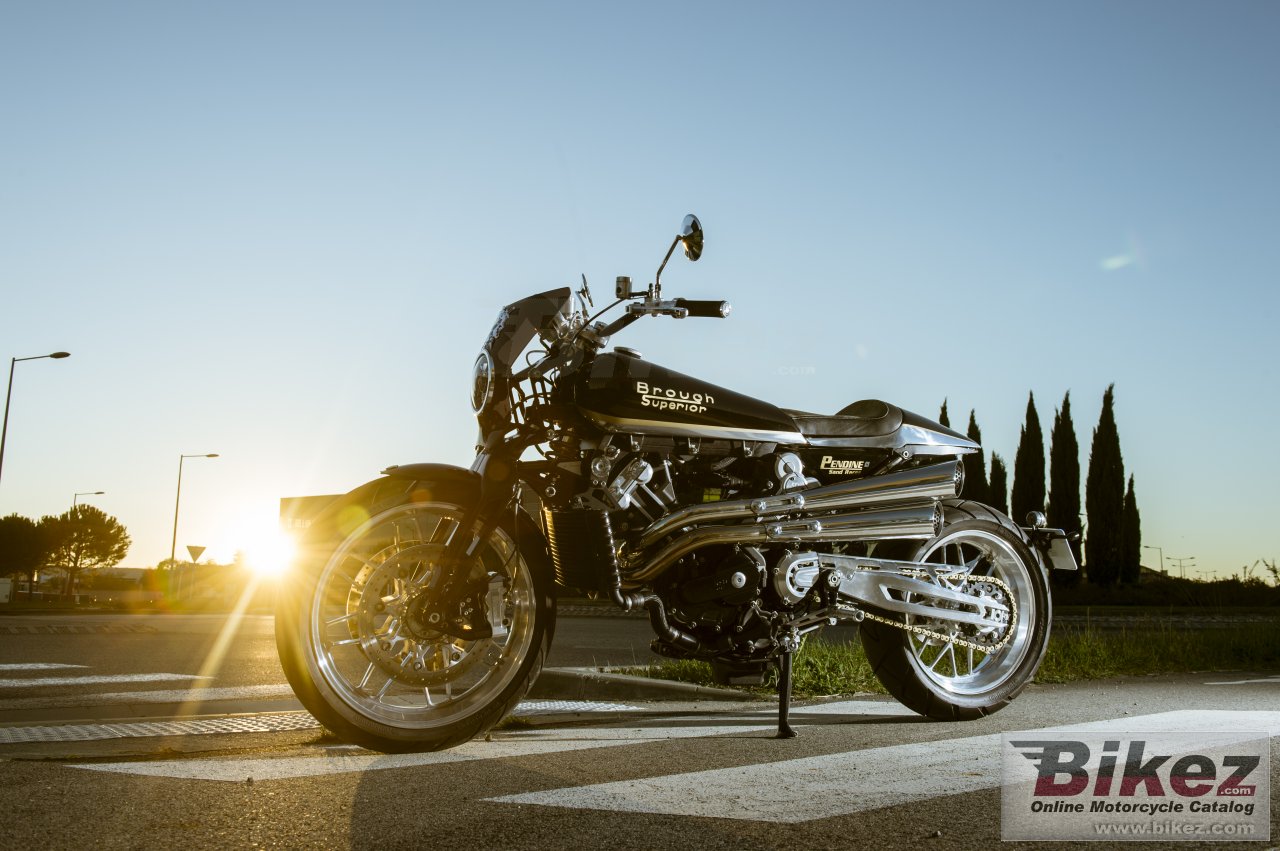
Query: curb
<point x="592" y="684"/>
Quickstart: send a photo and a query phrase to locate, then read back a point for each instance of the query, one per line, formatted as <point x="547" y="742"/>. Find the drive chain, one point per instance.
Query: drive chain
<point x="954" y="639"/>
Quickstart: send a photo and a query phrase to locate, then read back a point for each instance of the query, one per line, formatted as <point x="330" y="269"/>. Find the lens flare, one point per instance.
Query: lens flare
<point x="270" y="553"/>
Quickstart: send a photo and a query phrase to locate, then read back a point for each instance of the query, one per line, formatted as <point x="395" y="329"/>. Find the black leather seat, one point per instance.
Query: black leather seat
<point x="868" y="418"/>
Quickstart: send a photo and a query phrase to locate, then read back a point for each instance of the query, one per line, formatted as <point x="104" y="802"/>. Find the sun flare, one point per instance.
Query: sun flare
<point x="270" y="552"/>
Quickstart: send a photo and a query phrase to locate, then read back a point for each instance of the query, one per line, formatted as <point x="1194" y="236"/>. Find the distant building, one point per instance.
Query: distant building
<point x="297" y="512"/>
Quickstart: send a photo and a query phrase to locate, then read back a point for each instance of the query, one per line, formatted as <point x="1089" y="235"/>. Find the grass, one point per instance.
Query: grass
<point x="1090" y="654"/>
<point x="822" y="668"/>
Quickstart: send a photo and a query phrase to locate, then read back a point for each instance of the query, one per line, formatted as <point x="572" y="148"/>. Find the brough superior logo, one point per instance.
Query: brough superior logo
<point x="667" y="399"/>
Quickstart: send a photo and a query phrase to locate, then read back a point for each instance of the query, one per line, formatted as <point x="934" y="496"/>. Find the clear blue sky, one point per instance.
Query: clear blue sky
<point x="280" y="231"/>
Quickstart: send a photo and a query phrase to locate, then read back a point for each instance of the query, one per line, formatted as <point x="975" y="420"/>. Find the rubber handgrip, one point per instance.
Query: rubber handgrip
<point x="708" y="309"/>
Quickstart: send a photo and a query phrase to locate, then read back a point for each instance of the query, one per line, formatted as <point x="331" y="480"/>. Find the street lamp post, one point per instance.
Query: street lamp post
<point x="4" y="431"/>
<point x="1182" y="564"/>
<point x="1159" y="550"/>
<point x="178" y="499"/>
<point x="85" y="493"/>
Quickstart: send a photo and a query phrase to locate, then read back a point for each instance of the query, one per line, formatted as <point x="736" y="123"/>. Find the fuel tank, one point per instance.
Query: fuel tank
<point x="622" y="392"/>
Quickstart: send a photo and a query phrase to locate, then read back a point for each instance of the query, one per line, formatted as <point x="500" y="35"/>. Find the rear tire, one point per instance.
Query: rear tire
<point x="354" y="653"/>
<point x="939" y="678"/>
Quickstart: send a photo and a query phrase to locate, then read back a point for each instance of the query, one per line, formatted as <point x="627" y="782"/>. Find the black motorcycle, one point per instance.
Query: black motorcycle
<point x="424" y="601"/>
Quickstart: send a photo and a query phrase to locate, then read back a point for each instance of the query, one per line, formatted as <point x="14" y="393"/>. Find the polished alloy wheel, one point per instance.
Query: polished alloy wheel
<point x="372" y="636"/>
<point x="948" y="658"/>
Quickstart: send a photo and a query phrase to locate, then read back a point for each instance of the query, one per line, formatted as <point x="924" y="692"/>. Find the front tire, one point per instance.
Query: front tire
<point x="942" y="678"/>
<point x="362" y="660"/>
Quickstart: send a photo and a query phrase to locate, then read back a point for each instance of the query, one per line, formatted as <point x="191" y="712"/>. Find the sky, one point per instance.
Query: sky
<point x="280" y="232"/>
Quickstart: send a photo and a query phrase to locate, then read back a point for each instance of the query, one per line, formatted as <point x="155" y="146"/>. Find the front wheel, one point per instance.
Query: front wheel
<point x="940" y="669"/>
<point x="353" y="628"/>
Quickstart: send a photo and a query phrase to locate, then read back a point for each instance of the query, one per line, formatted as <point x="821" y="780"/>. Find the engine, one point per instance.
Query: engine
<point x="719" y="594"/>
<point x="728" y="601"/>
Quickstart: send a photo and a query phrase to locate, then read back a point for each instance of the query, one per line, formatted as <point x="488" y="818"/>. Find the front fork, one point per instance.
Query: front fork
<point x="460" y="594"/>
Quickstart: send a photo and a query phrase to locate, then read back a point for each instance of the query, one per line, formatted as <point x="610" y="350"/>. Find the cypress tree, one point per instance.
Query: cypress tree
<point x="1104" y="498"/>
<point x="999" y="495"/>
<point x="1064" y="484"/>
<point x="1131" y="566"/>
<point x="975" y="466"/>
<point x="943" y="419"/>
<point x="1028" y="467"/>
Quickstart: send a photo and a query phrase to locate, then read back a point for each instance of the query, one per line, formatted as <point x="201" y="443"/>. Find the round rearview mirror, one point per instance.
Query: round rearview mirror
<point x="691" y="236"/>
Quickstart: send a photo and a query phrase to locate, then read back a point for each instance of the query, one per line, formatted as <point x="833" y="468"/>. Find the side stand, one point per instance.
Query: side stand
<point x="784" y="696"/>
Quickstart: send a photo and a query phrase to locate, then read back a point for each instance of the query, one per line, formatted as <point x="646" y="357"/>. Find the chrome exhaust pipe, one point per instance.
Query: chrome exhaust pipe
<point x="937" y="481"/>
<point x="922" y="520"/>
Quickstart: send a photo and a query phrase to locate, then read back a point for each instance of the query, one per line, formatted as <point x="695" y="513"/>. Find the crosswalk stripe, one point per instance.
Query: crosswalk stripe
<point x="35" y="682"/>
<point x="262" y="723"/>
<point x="37" y="666"/>
<point x="842" y="783"/>
<point x="192" y="695"/>
<point x="272" y="722"/>
<point x="503" y="746"/>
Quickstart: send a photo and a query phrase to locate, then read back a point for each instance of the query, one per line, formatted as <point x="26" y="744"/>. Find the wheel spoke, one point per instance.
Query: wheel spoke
<point x="443" y="533"/>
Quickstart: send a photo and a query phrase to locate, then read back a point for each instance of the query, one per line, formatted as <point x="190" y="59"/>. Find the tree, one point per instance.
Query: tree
<point x="22" y="548"/>
<point x="1131" y="539"/>
<point x="1028" y="467"/>
<point x="1104" y="498"/>
<point x="84" y="538"/>
<point x="998" y="494"/>
<point x="975" y="465"/>
<point x="943" y="419"/>
<point x="1064" y="484"/>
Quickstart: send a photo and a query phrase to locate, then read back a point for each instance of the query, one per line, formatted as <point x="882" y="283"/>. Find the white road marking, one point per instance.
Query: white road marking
<point x="95" y="681"/>
<point x="838" y="784"/>
<point x="273" y="722"/>
<point x="38" y="666"/>
<point x="552" y="707"/>
<point x="267" y="723"/>
<point x="193" y="695"/>
<point x="1275" y="680"/>
<point x="848" y="707"/>
<point x="503" y="746"/>
<point x="878" y="708"/>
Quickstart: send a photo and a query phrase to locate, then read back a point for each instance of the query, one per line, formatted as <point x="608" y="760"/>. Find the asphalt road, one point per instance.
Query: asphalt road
<point x="149" y="665"/>
<point x="629" y="774"/>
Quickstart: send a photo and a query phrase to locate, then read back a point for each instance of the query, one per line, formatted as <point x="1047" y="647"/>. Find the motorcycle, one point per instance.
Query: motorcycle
<point x="423" y="602"/>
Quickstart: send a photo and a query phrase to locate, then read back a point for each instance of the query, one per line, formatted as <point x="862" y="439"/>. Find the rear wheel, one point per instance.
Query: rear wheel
<point x="958" y="672"/>
<point x="354" y="629"/>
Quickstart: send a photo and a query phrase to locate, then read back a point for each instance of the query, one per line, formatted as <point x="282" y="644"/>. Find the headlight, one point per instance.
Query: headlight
<point x="482" y="383"/>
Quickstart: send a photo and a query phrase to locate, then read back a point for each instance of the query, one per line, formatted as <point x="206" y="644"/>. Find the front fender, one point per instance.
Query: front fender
<point x="465" y="481"/>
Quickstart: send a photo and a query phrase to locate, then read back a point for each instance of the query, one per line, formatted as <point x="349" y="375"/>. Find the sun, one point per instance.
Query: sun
<point x="269" y="552"/>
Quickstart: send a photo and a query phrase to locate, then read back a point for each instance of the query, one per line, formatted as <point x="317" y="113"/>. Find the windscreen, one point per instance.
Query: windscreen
<point x="520" y="322"/>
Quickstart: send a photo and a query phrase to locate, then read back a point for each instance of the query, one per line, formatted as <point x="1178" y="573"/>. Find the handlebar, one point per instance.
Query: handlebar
<point x="708" y="309"/>
<point x="677" y="308"/>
